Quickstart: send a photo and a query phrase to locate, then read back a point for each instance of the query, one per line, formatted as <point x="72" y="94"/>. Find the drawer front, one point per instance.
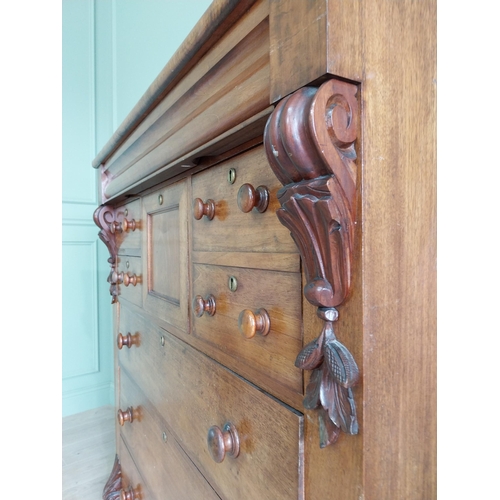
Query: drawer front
<point x="131" y="478"/>
<point x="165" y="467"/>
<point x="130" y="271"/>
<point x="129" y="240"/>
<point x="230" y="229"/>
<point x="192" y="393"/>
<point x="142" y="355"/>
<point x="256" y="293"/>
<point x="165" y="248"/>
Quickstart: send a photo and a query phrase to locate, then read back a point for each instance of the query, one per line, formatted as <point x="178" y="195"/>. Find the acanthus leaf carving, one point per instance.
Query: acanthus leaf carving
<point x="112" y="488"/>
<point x="310" y="145"/>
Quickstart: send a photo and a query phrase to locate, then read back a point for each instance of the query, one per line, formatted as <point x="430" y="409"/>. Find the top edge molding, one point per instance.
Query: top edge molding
<point x="216" y="20"/>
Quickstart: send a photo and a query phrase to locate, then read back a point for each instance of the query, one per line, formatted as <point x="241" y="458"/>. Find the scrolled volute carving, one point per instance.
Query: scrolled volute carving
<point x="104" y="218"/>
<point x="310" y="145"/>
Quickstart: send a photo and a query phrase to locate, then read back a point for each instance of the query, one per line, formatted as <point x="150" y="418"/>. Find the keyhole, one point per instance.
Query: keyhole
<point x="233" y="284"/>
<point x="231" y="176"/>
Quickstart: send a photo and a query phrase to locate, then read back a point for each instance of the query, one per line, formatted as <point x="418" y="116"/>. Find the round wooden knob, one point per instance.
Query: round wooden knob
<point x="251" y="323"/>
<point x="223" y="441"/>
<point x="126" y="416"/>
<point x="129" y="494"/>
<point x="125" y="278"/>
<point x="114" y="227"/>
<point x="201" y="306"/>
<point x="120" y="227"/>
<point x="129" y="225"/>
<point x="130" y="279"/>
<point x="249" y="198"/>
<point x="200" y="209"/>
<point x="127" y="340"/>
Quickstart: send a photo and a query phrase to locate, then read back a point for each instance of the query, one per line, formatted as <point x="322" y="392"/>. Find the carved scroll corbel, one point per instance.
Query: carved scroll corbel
<point x="309" y="141"/>
<point x="104" y="218"/>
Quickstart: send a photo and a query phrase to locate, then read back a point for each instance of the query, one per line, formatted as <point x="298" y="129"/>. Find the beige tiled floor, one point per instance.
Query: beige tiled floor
<point x="88" y="453"/>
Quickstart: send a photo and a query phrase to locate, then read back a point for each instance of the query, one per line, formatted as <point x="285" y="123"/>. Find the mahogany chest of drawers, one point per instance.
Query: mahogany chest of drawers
<point x="248" y="263"/>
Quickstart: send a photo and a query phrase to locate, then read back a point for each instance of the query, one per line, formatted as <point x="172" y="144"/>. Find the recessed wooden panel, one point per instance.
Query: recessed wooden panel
<point x="165" y="292"/>
<point x="165" y="254"/>
<point x="273" y="355"/>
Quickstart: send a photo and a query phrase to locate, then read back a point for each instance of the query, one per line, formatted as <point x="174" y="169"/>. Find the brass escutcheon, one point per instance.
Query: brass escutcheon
<point x="162" y="340"/>
<point x="160" y="199"/>
<point x="231" y="175"/>
<point x="126" y="212"/>
<point x="232" y="283"/>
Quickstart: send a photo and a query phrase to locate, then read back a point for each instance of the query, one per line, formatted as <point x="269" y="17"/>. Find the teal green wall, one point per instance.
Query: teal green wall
<point x="112" y="51"/>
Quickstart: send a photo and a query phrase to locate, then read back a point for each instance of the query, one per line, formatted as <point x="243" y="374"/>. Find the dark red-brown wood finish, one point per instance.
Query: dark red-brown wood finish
<point x="310" y="144"/>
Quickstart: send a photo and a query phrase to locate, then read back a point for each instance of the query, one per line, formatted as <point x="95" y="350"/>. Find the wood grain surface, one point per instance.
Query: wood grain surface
<point x="256" y="232"/>
<point x="166" y="469"/>
<point x="278" y="293"/>
<point x="388" y="321"/>
<point x="192" y="393"/>
<point x="390" y="318"/>
<point x="131" y="477"/>
<point x="399" y="250"/>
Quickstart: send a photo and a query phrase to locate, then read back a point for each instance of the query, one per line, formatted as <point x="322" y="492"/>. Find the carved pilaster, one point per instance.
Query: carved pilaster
<point x="113" y="487"/>
<point x="309" y="141"/>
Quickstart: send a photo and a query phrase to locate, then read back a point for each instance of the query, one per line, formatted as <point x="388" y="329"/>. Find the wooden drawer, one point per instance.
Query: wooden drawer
<point x="131" y="478"/>
<point x="131" y="266"/>
<point x="166" y="469"/>
<point x="232" y="231"/>
<point x="192" y="393"/>
<point x="145" y="353"/>
<point x="129" y="242"/>
<point x="278" y="293"/>
<point x="165" y="250"/>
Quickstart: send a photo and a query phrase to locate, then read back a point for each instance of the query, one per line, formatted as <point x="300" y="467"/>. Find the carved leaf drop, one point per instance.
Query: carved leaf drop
<point x="338" y="403"/>
<point x="340" y="363"/>
<point x="311" y="356"/>
<point x="328" y="431"/>
<point x="312" y="399"/>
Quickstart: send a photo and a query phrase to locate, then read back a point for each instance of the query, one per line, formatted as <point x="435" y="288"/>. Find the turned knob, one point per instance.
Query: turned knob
<point x="223" y="441"/>
<point x="129" y="225"/>
<point x="200" y="209"/>
<point x="127" y="340"/>
<point x="249" y="198"/>
<point x="126" y="225"/>
<point x="129" y="494"/>
<point x="125" y="278"/>
<point x="251" y="323"/>
<point x="126" y="416"/>
<point x="201" y="306"/>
